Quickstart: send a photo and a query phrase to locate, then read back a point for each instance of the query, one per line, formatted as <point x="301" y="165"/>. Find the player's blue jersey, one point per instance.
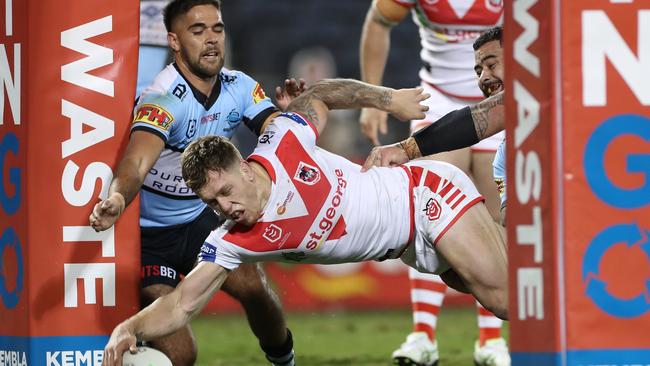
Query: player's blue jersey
<point x="178" y="113"/>
<point x="499" y="171"/>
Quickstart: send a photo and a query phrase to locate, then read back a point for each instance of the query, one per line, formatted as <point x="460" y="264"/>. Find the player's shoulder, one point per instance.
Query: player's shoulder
<point x="169" y="88"/>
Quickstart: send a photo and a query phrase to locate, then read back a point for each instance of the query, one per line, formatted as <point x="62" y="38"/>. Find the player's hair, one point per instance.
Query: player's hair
<point x="492" y="34"/>
<point x="209" y="153"/>
<point x="177" y="8"/>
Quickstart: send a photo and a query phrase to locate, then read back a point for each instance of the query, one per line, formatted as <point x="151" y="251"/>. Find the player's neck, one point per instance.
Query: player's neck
<point x="203" y="85"/>
<point x="262" y="183"/>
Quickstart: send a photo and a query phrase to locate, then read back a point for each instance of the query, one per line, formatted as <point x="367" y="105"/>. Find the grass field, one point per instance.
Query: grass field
<point x="354" y="338"/>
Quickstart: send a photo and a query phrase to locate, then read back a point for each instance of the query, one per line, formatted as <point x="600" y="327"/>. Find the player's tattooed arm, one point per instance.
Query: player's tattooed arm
<point x="488" y="116"/>
<point x="347" y="93"/>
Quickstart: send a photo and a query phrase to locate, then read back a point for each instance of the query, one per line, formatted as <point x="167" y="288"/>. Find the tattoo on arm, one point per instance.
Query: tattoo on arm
<point x="342" y="94"/>
<point x="481" y="114"/>
<point x="410" y="146"/>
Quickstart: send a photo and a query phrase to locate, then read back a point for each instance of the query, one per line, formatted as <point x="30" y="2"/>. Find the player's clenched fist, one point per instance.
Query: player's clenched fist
<point x="405" y="104"/>
<point x="106" y="212"/>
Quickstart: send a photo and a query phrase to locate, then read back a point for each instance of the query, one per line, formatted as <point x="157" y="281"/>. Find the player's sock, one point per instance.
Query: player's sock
<point x="489" y="326"/>
<point x="427" y="294"/>
<point x="282" y="355"/>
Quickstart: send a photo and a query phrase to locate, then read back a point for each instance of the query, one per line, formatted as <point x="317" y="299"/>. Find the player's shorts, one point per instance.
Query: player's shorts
<point x="170" y="252"/>
<point x="442" y="193"/>
<point x="440" y="104"/>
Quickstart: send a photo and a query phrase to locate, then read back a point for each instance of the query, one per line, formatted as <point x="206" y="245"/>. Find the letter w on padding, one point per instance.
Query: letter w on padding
<point x="77" y="72"/>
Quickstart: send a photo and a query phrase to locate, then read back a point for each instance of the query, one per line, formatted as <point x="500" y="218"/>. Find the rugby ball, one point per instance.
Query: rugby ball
<point x="146" y="356"/>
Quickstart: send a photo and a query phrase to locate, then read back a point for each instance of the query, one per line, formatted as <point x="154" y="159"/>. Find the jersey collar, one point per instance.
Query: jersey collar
<point x="204" y="100"/>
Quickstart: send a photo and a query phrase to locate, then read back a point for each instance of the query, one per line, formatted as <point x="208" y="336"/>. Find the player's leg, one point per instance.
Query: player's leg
<point x="490" y="348"/>
<point x="476" y="252"/>
<point x="248" y="285"/>
<point x="427" y="295"/>
<point x="428" y="290"/>
<point x="161" y="270"/>
<point x="180" y="346"/>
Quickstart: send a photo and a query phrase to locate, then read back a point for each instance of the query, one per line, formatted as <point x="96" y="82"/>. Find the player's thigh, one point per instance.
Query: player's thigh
<point x="476" y="251"/>
<point x="150" y="293"/>
<point x="461" y="159"/>
<point x="481" y="162"/>
<point x="247" y="281"/>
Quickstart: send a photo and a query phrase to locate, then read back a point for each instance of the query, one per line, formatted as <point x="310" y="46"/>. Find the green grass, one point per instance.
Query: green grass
<point x="354" y="338"/>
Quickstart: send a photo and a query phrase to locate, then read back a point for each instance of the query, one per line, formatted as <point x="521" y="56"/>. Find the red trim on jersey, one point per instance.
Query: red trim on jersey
<point x="310" y="123"/>
<point x="463" y="97"/>
<point x="453" y="221"/>
<point x="453" y="195"/>
<point x="264" y="163"/>
<point x="462" y="197"/>
<point x="446" y="188"/>
<point x="432" y="181"/>
<point x="338" y="230"/>
<point x="443" y="13"/>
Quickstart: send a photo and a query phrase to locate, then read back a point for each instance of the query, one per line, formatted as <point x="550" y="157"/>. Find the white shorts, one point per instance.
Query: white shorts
<point x="442" y="193"/>
<point x="440" y="104"/>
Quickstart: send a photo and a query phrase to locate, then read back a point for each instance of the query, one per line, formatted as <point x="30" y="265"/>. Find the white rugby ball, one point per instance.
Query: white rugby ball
<point x="146" y="356"/>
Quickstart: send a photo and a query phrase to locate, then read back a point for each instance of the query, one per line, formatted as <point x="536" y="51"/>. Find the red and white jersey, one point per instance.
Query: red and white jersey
<point x="322" y="209"/>
<point x="447" y="30"/>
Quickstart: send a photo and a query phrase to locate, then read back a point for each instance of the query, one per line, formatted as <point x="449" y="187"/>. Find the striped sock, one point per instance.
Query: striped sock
<point x="489" y="326"/>
<point x="427" y="294"/>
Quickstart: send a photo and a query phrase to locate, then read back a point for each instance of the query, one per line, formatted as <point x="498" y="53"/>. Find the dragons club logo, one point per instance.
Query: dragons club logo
<point x="432" y="209"/>
<point x="307" y="174"/>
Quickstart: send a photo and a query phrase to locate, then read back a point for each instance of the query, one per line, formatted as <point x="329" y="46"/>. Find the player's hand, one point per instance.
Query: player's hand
<point x="406" y="104"/>
<point x="106" y="212"/>
<point x="292" y="89"/>
<point x="372" y="121"/>
<point x="390" y="155"/>
<point x="122" y="339"/>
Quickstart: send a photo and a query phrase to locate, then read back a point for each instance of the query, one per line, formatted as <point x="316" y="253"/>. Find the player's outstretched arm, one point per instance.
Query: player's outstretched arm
<point x="141" y="153"/>
<point x="168" y="313"/>
<point x="455" y="130"/>
<point x="373" y="53"/>
<point x="330" y="94"/>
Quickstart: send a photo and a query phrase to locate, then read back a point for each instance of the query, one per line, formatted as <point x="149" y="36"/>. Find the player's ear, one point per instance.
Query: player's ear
<point x="172" y="40"/>
<point x="246" y="170"/>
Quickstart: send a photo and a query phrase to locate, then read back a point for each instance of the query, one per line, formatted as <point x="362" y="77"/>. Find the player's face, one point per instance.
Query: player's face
<point x="489" y="67"/>
<point x="233" y="194"/>
<point x="199" y="37"/>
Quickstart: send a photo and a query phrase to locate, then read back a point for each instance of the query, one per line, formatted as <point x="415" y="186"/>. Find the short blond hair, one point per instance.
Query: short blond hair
<point x="209" y="153"/>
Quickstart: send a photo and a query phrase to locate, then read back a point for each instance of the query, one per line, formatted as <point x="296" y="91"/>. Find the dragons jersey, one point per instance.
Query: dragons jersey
<point x="322" y="209"/>
<point x="447" y="30"/>
<point x="499" y="171"/>
<point x="178" y="113"/>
